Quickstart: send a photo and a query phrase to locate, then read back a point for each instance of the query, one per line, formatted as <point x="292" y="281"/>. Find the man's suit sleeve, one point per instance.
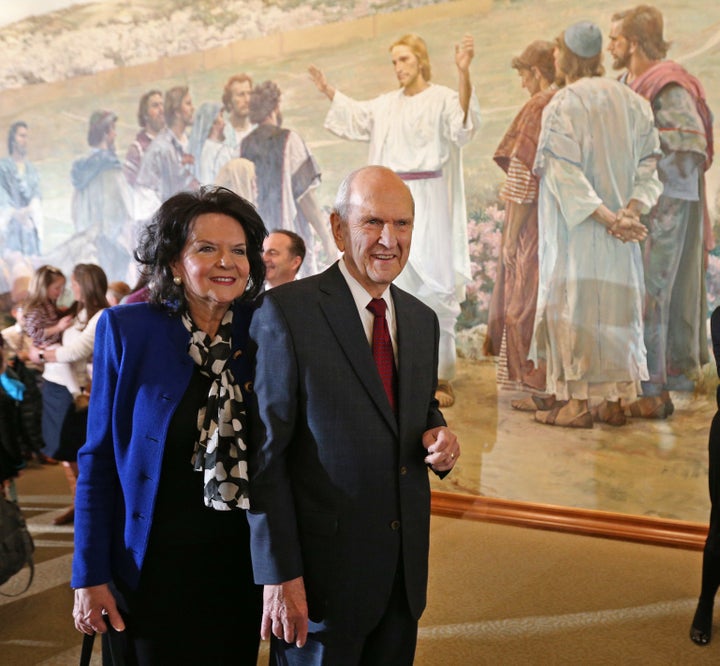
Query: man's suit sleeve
<point x="435" y="417"/>
<point x="275" y="544"/>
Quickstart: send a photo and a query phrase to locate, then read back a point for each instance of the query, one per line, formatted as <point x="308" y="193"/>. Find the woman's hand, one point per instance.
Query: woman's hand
<point x="92" y="606"/>
<point x="65" y="323"/>
<point x="34" y="354"/>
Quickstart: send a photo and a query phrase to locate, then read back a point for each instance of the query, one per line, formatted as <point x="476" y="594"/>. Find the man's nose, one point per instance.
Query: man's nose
<point x="387" y="235"/>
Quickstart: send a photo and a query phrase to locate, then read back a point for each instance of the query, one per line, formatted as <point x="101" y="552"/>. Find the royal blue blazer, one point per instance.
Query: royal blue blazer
<point x="141" y="370"/>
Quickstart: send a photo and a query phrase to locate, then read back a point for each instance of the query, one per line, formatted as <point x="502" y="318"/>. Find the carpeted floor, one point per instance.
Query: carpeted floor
<point x="497" y="595"/>
<point x="507" y="595"/>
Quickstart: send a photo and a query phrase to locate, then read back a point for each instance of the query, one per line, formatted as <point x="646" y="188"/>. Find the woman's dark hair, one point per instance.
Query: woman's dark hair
<point x="163" y="240"/>
<point x="93" y="287"/>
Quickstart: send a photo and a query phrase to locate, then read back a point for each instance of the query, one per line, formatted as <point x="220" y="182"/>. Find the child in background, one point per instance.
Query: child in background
<point x="45" y="322"/>
<point x="17" y="347"/>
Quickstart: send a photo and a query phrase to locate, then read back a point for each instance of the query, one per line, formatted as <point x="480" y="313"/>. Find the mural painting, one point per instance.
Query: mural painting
<point x="82" y="175"/>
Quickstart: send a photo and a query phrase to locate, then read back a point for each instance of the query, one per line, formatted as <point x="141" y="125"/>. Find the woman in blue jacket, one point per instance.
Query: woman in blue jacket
<point x="161" y="536"/>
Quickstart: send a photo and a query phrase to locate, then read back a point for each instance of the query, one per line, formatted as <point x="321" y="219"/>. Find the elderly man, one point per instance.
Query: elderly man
<point x="287" y="174"/>
<point x="283" y="254"/>
<point x="512" y="307"/>
<point x="151" y="119"/>
<point x="346" y="427"/>
<point x="20" y="212"/>
<point x="419" y="131"/>
<point x="596" y="160"/>
<point x="675" y="300"/>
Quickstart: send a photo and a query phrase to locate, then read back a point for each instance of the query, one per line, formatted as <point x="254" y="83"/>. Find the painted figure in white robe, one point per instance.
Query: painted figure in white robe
<point x="418" y="131"/>
<point x="167" y="165"/>
<point x="596" y="160"/>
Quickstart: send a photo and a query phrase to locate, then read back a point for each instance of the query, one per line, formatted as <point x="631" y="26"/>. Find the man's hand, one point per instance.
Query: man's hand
<point x="318" y="78"/>
<point x="285" y="612"/>
<point x="92" y="605"/>
<point x="443" y="448"/>
<point x="627" y="227"/>
<point x="464" y="53"/>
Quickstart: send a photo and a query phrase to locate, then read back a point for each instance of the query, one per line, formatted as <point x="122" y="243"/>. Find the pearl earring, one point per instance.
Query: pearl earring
<point x="177" y="280"/>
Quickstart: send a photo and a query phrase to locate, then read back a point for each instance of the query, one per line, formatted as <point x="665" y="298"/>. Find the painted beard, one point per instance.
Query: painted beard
<point x="621" y="62"/>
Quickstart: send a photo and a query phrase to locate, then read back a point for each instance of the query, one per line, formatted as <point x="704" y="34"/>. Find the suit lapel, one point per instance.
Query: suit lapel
<point x="339" y="309"/>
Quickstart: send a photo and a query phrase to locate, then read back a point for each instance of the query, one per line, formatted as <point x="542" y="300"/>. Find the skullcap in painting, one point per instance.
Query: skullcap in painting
<point x="584" y="39"/>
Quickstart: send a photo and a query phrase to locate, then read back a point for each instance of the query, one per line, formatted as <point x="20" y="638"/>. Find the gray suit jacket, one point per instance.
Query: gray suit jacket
<point x="339" y="488"/>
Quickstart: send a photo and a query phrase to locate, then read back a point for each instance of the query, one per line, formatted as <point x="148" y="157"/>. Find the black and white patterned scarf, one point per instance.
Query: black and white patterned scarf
<point x="220" y="452"/>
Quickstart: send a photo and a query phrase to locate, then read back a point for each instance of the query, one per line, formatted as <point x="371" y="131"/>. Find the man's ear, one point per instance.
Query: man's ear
<point x="336" y="225"/>
<point x="296" y="263"/>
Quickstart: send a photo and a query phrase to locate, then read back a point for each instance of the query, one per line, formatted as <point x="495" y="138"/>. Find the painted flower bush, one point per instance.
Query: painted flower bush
<point x="484" y="236"/>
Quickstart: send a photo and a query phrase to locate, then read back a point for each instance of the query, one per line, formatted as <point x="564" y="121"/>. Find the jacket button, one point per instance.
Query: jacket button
<point x="403" y="470"/>
<point x="395" y="525"/>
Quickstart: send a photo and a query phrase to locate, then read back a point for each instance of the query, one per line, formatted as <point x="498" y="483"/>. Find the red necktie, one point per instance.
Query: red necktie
<point x="382" y="349"/>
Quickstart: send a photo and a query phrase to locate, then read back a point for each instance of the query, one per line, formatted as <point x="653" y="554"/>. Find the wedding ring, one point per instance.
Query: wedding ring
<point x="452" y="456"/>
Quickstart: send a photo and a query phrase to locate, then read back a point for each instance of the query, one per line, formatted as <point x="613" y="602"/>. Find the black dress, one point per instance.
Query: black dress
<point x="196" y="602"/>
<point x="701" y="629"/>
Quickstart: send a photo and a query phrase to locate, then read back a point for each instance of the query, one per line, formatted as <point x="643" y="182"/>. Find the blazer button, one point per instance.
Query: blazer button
<point x="395" y="525"/>
<point x="403" y="470"/>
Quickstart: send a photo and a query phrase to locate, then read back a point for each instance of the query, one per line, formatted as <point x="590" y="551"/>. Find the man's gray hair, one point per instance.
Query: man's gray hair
<point x="341" y="208"/>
